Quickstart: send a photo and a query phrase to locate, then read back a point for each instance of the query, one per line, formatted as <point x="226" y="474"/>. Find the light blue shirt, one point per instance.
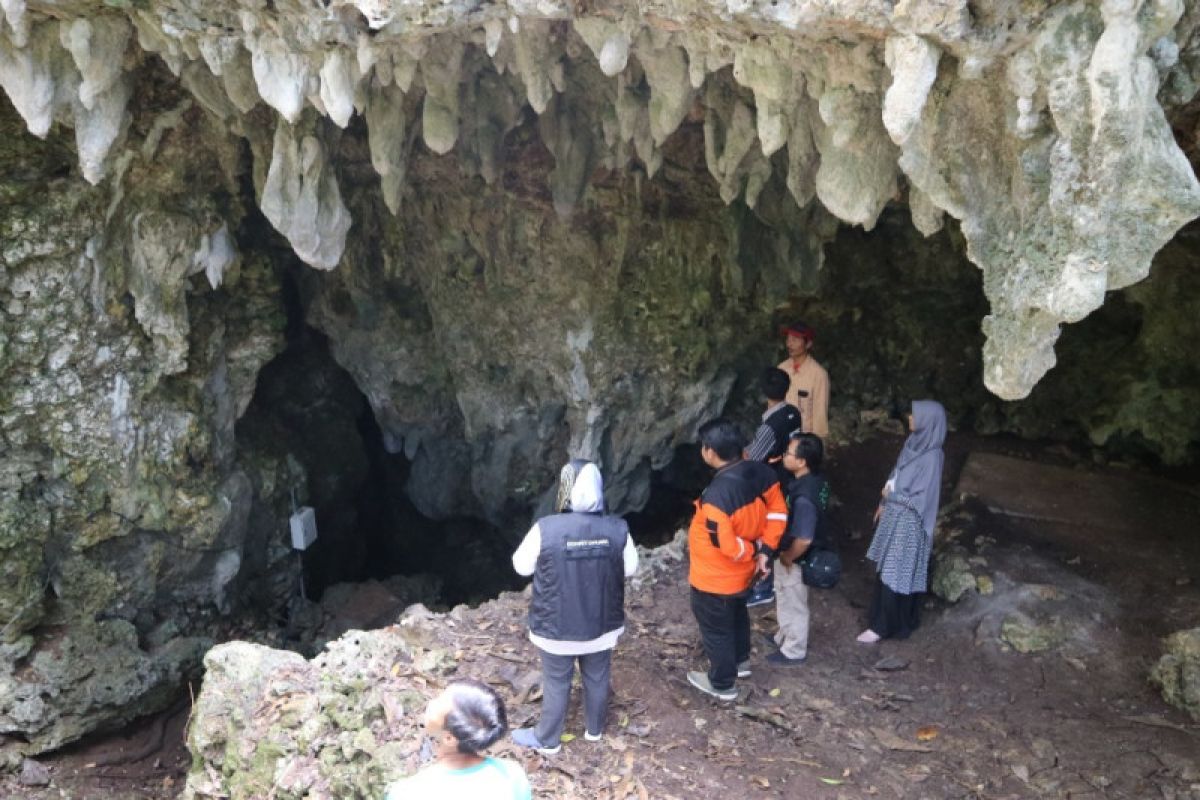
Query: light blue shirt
<point x="491" y="779"/>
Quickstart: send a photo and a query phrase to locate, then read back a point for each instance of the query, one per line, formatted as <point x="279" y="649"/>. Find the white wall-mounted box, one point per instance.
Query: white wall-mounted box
<point x="303" y="524"/>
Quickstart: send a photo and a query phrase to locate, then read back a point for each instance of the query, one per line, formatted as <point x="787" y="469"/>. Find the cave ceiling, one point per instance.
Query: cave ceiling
<point x="1040" y="127"/>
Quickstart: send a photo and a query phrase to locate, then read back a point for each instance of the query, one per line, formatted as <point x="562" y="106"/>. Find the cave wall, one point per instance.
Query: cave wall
<point x="492" y="336"/>
<point x="131" y="332"/>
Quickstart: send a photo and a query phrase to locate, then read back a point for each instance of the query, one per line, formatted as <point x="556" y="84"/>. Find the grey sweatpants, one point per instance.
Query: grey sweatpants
<point x="557" y="672"/>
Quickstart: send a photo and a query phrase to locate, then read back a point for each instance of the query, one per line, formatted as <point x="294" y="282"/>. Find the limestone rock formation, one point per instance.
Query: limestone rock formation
<point x="1038" y="128"/>
<point x="123" y="509"/>
<point x="1177" y="673"/>
<point x="951" y="576"/>
<point x="343" y="725"/>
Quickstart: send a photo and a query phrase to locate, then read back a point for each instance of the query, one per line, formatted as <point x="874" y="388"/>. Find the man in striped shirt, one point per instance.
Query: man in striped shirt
<point x="779" y="422"/>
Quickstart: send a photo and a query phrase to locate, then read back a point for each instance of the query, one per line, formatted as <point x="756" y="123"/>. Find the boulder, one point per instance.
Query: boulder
<point x="1028" y="635"/>
<point x="1177" y="673"/>
<point x="952" y="576"/>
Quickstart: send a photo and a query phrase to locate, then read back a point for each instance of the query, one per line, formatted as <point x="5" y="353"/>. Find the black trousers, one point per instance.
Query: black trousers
<point x="893" y="615"/>
<point x="725" y="631"/>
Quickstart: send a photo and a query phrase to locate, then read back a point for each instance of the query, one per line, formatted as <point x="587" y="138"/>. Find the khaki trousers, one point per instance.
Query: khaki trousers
<point x="791" y="607"/>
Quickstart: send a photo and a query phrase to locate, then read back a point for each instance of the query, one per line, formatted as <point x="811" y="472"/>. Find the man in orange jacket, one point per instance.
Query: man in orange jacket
<point x="737" y="526"/>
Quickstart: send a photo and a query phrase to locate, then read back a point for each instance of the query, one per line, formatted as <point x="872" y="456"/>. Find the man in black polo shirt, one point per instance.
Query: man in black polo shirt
<point x="808" y="498"/>
<point x="779" y="421"/>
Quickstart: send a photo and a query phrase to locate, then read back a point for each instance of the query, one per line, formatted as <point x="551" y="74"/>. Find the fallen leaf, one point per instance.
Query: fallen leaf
<point x="625" y="721"/>
<point x="927" y="733"/>
<point x="762" y="782"/>
<point x="566" y="737"/>
<point x="832" y="781"/>
<point x="774" y="692"/>
<point x="890" y="664"/>
<point x="763" y="715"/>
<point x="893" y="742"/>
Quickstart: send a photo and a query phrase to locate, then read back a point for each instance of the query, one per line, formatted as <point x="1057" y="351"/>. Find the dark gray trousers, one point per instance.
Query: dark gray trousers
<point x="557" y="671"/>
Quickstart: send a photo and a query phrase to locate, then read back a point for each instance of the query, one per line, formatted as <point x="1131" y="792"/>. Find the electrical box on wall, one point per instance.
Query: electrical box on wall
<point x="304" y="527"/>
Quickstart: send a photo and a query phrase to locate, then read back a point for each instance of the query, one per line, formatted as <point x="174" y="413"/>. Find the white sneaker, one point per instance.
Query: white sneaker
<point x="701" y="682"/>
<point x="525" y="737"/>
<point x="592" y="737"/>
<point x="743" y="669"/>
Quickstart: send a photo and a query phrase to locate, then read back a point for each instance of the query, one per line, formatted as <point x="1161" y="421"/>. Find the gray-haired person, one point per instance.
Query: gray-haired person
<point x="463" y="721"/>
<point x="579" y="560"/>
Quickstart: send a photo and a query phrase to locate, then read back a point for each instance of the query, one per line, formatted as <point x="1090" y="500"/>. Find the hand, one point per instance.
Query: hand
<point x="763" y="569"/>
<point x="878" y="514"/>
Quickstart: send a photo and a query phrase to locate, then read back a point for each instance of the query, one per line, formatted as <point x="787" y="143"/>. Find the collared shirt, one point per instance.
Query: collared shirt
<point x="810" y="377"/>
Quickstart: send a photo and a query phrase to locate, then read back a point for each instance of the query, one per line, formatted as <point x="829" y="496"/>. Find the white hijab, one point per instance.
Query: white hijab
<point x="587" y="495"/>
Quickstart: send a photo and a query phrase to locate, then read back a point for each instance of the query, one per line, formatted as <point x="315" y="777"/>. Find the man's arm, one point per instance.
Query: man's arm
<point x="802" y="527"/>
<point x="630" y="556"/>
<point x="760" y="448"/>
<point x="777" y="516"/>
<point x="820" y="404"/>
<point x="524" y="561"/>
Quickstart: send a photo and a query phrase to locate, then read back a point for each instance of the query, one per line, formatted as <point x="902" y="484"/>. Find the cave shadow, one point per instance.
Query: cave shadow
<point x="308" y="411"/>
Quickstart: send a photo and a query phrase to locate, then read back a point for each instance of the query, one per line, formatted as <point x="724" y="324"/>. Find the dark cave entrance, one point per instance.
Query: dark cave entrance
<point x="308" y="411"/>
<point x="672" y="491"/>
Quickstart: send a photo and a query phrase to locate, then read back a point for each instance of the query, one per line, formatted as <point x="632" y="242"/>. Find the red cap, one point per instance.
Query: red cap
<point x="798" y="329"/>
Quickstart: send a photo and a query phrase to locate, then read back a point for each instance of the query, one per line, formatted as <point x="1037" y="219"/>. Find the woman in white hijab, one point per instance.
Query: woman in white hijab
<point x="579" y="559"/>
<point x="904" y="533"/>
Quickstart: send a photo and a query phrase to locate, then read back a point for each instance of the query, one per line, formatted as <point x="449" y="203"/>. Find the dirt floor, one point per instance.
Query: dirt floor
<point x="954" y="712"/>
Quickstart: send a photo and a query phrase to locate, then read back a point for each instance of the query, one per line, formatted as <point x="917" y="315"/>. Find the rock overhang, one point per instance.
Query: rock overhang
<point x="1040" y="130"/>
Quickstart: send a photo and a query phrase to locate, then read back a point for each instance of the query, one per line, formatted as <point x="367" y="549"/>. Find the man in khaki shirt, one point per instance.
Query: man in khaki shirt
<point x="807" y="376"/>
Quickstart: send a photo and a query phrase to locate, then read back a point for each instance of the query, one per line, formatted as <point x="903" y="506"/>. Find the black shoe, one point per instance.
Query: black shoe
<point x="757" y="599"/>
<point x="780" y="660"/>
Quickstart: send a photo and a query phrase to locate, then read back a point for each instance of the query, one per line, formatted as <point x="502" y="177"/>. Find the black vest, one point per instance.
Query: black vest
<point x="815" y="489"/>
<point x="579" y="583"/>
<point x="783" y="422"/>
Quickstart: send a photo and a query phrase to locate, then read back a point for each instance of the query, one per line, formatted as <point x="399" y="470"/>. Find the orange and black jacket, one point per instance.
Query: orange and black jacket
<point x="741" y="507"/>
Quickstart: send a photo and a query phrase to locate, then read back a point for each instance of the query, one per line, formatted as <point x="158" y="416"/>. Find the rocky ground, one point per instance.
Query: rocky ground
<point x="1032" y="684"/>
